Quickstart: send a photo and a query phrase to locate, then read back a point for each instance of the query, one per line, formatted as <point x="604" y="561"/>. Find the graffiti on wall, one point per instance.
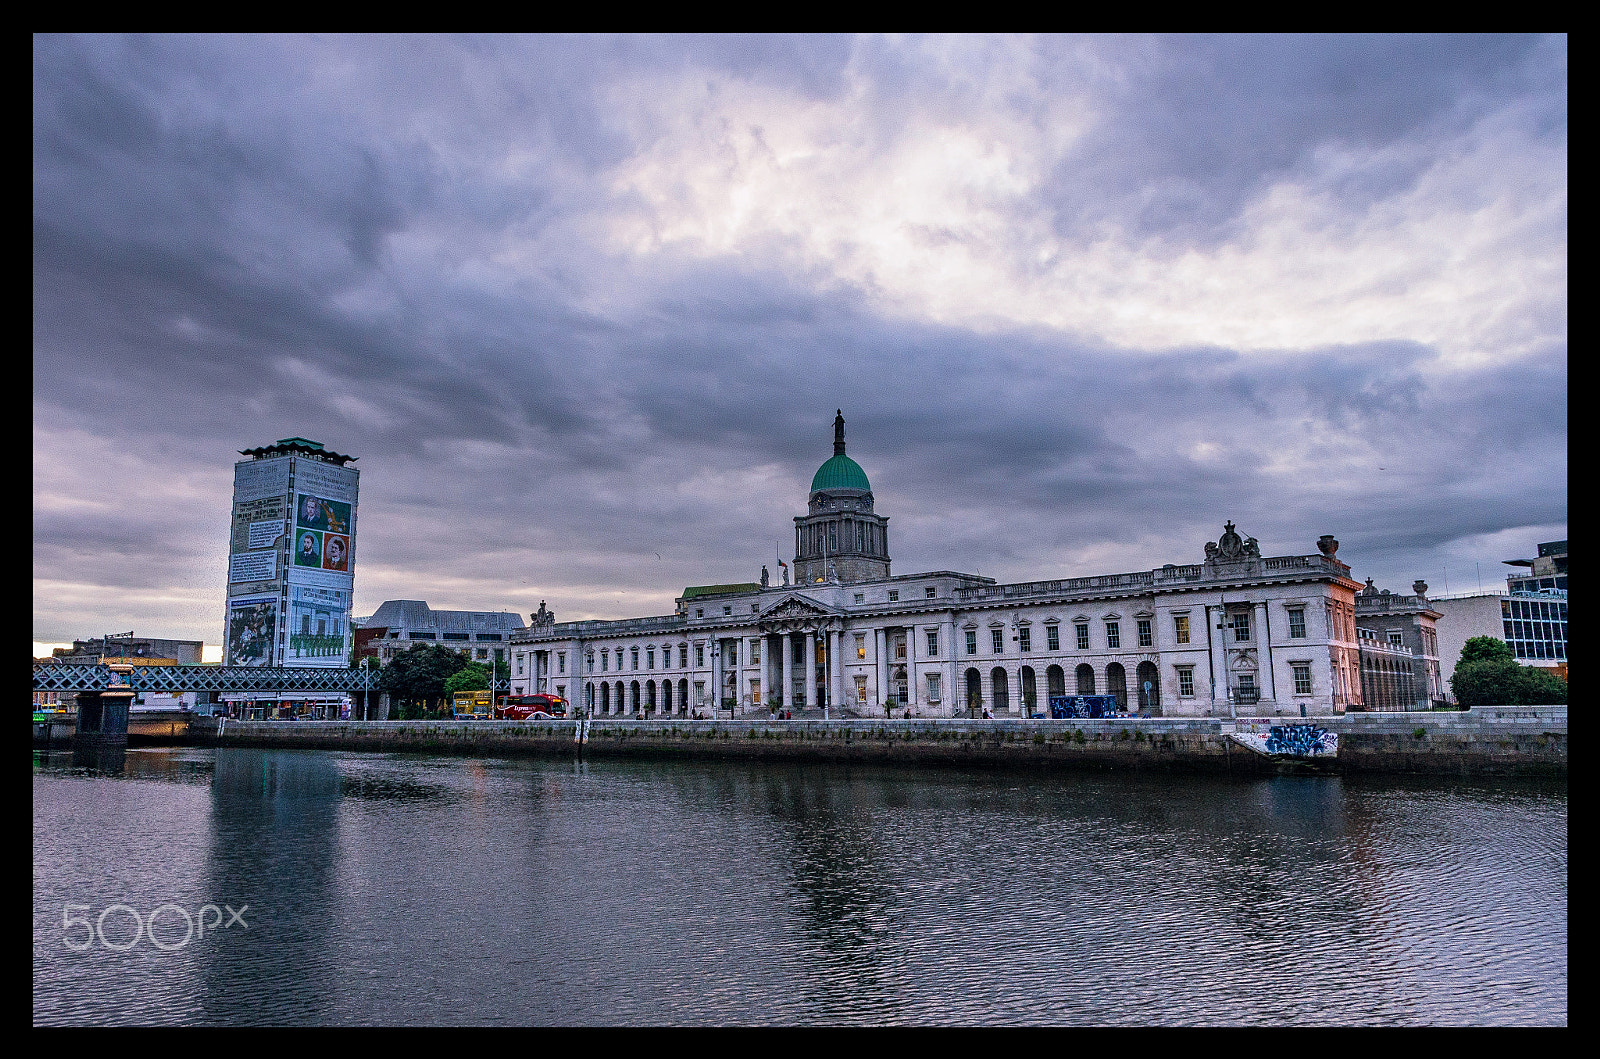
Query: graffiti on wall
<point x="1289" y="740"/>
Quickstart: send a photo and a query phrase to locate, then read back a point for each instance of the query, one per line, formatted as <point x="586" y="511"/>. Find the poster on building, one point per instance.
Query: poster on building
<point x="252" y="566"/>
<point x="263" y="534"/>
<point x="252" y="626"/>
<point x="318" y="626"/>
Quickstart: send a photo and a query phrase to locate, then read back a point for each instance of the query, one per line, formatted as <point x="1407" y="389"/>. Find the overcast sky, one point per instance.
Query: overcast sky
<point x="584" y="308"/>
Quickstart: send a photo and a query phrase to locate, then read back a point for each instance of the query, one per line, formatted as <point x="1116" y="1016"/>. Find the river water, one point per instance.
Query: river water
<point x="368" y="889"/>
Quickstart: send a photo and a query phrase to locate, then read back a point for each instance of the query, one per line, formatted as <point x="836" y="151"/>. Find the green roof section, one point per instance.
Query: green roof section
<point x="720" y="590"/>
<point x="840" y="472"/>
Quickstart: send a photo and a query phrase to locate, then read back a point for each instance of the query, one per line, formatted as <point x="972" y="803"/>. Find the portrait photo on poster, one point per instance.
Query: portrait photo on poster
<point x="335" y="552"/>
<point x="309" y="550"/>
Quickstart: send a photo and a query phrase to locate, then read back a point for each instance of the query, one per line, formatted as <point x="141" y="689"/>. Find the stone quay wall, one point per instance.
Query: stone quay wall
<point x="1490" y="740"/>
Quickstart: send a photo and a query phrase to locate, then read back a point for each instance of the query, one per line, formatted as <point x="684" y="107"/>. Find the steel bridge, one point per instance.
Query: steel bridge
<point x="174" y="679"/>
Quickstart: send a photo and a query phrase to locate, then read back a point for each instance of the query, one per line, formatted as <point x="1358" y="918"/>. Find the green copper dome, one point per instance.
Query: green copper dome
<point x="840" y="472"/>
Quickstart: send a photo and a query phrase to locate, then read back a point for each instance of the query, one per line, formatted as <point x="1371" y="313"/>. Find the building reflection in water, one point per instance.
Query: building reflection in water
<point x="275" y="828"/>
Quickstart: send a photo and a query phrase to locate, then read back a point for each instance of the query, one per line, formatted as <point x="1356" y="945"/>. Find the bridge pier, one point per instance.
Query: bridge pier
<point x="102" y="719"/>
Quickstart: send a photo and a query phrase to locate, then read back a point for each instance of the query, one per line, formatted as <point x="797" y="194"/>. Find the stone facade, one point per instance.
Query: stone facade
<point x="1238" y="633"/>
<point x="1399" y="641"/>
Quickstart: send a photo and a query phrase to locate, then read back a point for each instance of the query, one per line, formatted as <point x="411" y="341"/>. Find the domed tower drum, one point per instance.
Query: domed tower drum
<point x="840" y="539"/>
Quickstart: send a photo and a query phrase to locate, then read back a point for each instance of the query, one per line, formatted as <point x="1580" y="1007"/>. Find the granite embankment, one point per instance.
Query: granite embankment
<point x="1489" y="740"/>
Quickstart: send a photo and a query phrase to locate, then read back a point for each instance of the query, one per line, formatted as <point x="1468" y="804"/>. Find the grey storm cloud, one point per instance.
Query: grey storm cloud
<point x="409" y="249"/>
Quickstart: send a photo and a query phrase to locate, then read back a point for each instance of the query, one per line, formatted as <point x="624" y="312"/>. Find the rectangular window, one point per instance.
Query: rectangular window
<point x="755" y="691"/>
<point x="605" y="662"/>
<point x="519" y="665"/>
<point x="1297" y="623"/>
<point x="933" y="687"/>
<point x="650" y="658"/>
<point x="699" y="656"/>
<point x="1025" y="639"/>
<point x="972" y="641"/>
<point x="1397" y="638"/>
<point x="683" y="656"/>
<point x="727" y="609"/>
<point x="1144" y="633"/>
<point x="561" y="661"/>
<point x="1186" y="682"/>
<point x="1241" y="626"/>
<point x="931" y="591"/>
<point x="699" y="612"/>
<point x="1083" y="636"/>
<point x="933" y="645"/>
<point x="894" y="595"/>
<point x="755" y="652"/>
<point x="733" y="652"/>
<point x="861" y="597"/>
<point x="997" y="640"/>
<point x="861" y="645"/>
<point x="1052" y="637"/>
<point x="1302" y="678"/>
<point x="1113" y="634"/>
<point x="861" y="689"/>
<point x="900" y="647"/>
<point x="1180" y="627"/>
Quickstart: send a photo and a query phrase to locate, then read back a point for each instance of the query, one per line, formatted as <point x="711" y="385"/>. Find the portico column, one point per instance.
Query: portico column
<point x="948" y="634"/>
<point x="769" y="669"/>
<point x="716" y="675"/>
<point x="784" y="691"/>
<point x="835" y="670"/>
<point x="575" y="678"/>
<point x="811" y="668"/>
<point x="880" y="643"/>
<point x="912" y="698"/>
<point x="1264" y="653"/>
<point x="1215" y="616"/>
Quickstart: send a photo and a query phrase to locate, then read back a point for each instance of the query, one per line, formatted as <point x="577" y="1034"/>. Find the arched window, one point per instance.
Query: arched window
<point x="1117" y="683"/>
<point x="974" y="690"/>
<point x="1056" y="679"/>
<point x="1149" y="686"/>
<point x="1085" y="679"/>
<point x="1001" y="688"/>
<point x="1029" y="696"/>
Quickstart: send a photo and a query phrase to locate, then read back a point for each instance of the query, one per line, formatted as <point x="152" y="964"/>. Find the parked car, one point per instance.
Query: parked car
<point x="530" y="708"/>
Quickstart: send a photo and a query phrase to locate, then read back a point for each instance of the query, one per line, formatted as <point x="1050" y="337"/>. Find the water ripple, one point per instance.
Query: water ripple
<point x="406" y="890"/>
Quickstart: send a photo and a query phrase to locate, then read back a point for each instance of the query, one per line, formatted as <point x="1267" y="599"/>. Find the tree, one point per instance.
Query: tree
<point x="474" y="676"/>
<point x="416" y="679"/>
<point x="1485" y="649"/>
<point x="1502" y="682"/>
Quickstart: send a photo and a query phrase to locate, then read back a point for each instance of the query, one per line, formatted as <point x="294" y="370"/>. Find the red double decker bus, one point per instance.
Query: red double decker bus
<point x="530" y="707"/>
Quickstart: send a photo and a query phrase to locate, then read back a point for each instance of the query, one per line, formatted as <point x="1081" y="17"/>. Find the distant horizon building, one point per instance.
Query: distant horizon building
<point x="400" y="624"/>
<point x="291" y="558"/>
<point x="1529" y="614"/>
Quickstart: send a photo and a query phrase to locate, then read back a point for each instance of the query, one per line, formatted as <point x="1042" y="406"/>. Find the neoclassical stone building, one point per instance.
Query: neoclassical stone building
<point x="1234" y="633"/>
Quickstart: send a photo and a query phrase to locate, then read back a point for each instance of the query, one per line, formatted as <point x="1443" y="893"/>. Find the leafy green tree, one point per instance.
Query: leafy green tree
<point x="1502" y="682"/>
<point x="474" y="676"/>
<point x="1485" y="649"/>
<point x="416" y="679"/>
